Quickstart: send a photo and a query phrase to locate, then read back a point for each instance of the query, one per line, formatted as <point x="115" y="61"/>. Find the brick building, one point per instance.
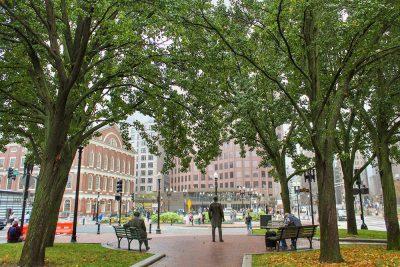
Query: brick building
<point x="234" y="173"/>
<point x="104" y="161"/>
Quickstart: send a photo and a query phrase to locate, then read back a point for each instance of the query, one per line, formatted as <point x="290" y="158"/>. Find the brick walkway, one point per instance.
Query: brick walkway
<point x="191" y="250"/>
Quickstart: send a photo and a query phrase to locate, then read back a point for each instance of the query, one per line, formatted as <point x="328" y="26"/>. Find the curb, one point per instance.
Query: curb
<point x="149" y="261"/>
<point x="359" y="240"/>
<point x="146" y="262"/>
<point x="247" y="260"/>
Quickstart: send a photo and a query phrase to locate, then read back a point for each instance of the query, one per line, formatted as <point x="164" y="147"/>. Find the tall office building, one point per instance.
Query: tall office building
<point x="147" y="164"/>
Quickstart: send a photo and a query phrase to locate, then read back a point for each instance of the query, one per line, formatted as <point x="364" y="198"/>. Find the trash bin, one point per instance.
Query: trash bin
<point x="264" y="219"/>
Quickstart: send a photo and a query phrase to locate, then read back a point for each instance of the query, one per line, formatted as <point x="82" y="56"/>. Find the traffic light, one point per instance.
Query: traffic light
<point x="119" y="186"/>
<point x="133" y="197"/>
<point x="11" y="174"/>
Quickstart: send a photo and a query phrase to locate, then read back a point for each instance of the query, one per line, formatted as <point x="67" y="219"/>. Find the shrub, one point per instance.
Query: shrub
<point x="167" y="217"/>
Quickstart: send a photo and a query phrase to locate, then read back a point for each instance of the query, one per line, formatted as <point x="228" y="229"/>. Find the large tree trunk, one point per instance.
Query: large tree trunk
<point x="329" y="242"/>
<point x="53" y="179"/>
<point x="350" y="212"/>
<point x="349" y="198"/>
<point x="389" y="197"/>
<point x="285" y="196"/>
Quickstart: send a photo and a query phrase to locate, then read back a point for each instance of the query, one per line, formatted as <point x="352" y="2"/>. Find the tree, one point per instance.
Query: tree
<point x="311" y="51"/>
<point x="378" y="106"/>
<point x="350" y="138"/>
<point x="67" y="69"/>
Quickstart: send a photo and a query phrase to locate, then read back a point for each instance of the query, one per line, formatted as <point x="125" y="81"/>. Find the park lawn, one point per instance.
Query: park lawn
<point x="75" y="255"/>
<point x="364" y="234"/>
<point x="360" y="255"/>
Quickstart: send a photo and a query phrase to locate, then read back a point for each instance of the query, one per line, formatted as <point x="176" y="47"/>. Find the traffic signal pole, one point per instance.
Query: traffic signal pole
<point x="28" y="168"/>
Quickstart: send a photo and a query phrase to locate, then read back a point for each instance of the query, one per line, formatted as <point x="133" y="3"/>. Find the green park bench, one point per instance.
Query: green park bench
<point x="130" y="234"/>
<point x="307" y="231"/>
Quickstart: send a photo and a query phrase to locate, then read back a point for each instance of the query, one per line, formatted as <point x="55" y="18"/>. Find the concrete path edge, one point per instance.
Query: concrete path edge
<point x="247" y="260"/>
<point x="149" y="261"/>
<point x="361" y="240"/>
<point x="146" y="262"/>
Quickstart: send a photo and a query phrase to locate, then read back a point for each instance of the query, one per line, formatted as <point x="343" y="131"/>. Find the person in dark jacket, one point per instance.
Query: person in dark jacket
<point x="138" y="223"/>
<point x="216" y="215"/>
<point x="291" y="220"/>
<point x="14" y="233"/>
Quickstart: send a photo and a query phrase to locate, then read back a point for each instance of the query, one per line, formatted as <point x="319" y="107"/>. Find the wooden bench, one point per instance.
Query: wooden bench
<point x="307" y="231"/>
<point x="130" y="234"/>
<point x="274" y="225"/>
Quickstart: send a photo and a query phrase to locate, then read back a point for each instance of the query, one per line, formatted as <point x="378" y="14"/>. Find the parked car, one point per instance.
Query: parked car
<point x="342" y="216"/>
<point x="3" y="223"/>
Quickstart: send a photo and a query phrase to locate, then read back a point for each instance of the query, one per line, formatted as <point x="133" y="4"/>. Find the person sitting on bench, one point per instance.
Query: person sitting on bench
<point x="138" y="223"/>
<point x="290" y="220"/>
<point x="14" y="233"/>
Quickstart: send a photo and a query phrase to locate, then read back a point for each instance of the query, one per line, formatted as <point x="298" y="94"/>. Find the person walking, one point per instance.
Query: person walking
<point x="216" y="215"/>
<point x="249" y="223"/>
<point x="138" y="223"/>
<point x="14" y="233"/>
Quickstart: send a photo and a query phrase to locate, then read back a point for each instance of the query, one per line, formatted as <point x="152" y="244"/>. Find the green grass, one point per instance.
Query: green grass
<point x="75" y="255"/>
<point x="353" y="255"/>
<point x="365" y="234"/>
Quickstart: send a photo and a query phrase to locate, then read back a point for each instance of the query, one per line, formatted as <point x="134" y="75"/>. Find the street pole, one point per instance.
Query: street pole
<point x="310" y="175"/>
<point x="97" y="213"/>
<point x="297" y="191"/>
<point x="78" y="179"/>
<point x="158" y="230"/>
<point x="119" y="208"/>
<point x="216" y="183"/>
<point x="28" y="168"/>
<point x="358" y="181"/>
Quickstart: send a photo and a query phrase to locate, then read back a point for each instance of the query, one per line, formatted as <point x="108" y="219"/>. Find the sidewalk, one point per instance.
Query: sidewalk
<point x="191" y="250"/>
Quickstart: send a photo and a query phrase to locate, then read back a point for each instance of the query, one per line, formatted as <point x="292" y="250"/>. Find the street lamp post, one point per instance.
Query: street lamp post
<point x="297" y="191"/>
<point x="310" y="176"/>
<point x="97" y="213"/>
<point x="250" y="193"/>
<point x="202" y="200"/>
<point x="28" y="169"/>
<point x="184" y="201"/>
<point x="358" y="182"/>
<point x="169" y="192"/>
<point x="216" y="183"/>
<point x="242" y="192"/>
<point x="158" y="230"/>
<point x="78" y="179"/>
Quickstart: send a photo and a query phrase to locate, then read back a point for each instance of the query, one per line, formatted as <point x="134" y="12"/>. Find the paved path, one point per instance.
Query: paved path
<point x="192" y="248"/>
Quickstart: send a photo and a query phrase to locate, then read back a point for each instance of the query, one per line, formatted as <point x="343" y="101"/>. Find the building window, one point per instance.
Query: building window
<point x="195" y="177"/>
<point x="118" y="165"/>
<point x="13" y="149"/>
<point x="1" y="162"/>
<point x="142" y="165"/>
<point x="263" y="174"/>
<point x="263" y="184"/>
<point x="67" y="205"/>
<point x="12" y="162"/>
<point x="143" y="180"/>
<point x="255" y="184"/>
<point x="112" y="164"/>
<point x="231" y="175"/>
<point x="269" y="184"/>
<point x="150" y="165"/>
<point x="143" y="157"/>
<point x="90" y="182"/>
<point x="110" y="185"/>
<point x="142" y="188"/>
<point x="203" y="186"/>
<point x="91" y="159"/>
<point x="150" y="172"/>
<point x="226" y="165"/>
<point x="106" y="162"/>
<point x="143" y="150"/>
<point x="231" y="165"/>
<point x="22" y="162"/>
<point x="216" y="167"/>
<point x="98" y="164"/>
<point x="123" y="166"/>
<point x="129" y="167"/>
<point x="150" y="157"/>
<point x="247" y="184"/>
<point x="69" y="182"/>
<point x="105" y="184"/>
<point x="88" y="206"/>
<point x="255" y="174"/>
<point x="195" y="186"/>
<point x="97" y="182"/>
<point x="150" y="180"/>
<point x="231" y="185"/>
<point x="149" y="188"/>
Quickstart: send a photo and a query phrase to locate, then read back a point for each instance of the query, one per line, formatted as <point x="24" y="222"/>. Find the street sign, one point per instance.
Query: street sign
<point x="363" y="190"/>
<point x="304" y="190"/>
